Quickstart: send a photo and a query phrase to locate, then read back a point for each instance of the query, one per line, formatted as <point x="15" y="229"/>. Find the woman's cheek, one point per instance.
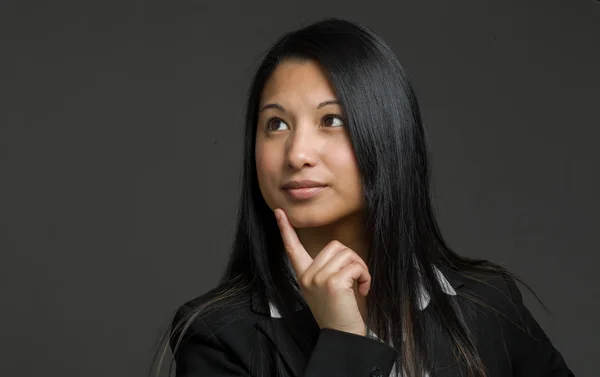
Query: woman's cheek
<point x="268" y="176"/>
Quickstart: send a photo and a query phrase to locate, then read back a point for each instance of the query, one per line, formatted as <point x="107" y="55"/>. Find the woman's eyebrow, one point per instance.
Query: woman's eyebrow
<point x="281" y="108"/>
<point x="330" y="102"/>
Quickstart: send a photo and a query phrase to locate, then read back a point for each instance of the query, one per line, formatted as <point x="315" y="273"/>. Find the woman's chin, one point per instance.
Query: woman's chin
<point x="309" y="219"/>
<point x="303" y="223"/>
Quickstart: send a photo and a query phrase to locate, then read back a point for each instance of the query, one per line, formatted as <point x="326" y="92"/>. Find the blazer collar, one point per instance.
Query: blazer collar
<point x="423" y="299"/>
<point x="449" y="281"/>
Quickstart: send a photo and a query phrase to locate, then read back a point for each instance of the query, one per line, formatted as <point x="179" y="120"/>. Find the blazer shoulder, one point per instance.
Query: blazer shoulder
<point x="492" y="301"/>
<point x="215" y="309"/>
<point x="495" y="290"/>
<point x="505" y="321"/>
<point x="212" y="333"/>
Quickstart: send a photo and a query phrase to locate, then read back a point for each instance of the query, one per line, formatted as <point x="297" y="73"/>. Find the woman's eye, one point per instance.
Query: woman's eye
<point x="333" y="121"/>
<point x="274" y="126"/>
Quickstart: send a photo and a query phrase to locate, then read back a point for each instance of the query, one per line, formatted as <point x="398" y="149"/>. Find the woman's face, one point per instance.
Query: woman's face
<point x="301" y="136"/>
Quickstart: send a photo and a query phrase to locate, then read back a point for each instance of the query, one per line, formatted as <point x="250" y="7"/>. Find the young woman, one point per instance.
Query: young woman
<point x="338" y="267"/>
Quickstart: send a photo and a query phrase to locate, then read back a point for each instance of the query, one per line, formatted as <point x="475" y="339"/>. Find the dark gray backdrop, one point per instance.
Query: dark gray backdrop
<point x="120" y="136"/>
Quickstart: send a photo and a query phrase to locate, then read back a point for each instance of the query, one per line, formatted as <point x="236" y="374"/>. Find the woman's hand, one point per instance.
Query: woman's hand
<point x="327" y="282"/>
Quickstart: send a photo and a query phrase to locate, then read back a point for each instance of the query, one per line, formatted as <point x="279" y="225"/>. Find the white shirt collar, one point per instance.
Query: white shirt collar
<point x="423" y="300"/>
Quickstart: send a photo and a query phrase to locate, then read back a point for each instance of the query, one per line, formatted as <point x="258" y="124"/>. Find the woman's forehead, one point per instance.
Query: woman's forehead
<point x="297" y="82"/>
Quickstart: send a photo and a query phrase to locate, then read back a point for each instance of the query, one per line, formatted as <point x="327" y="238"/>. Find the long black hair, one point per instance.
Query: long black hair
<point x="384" y="124"/>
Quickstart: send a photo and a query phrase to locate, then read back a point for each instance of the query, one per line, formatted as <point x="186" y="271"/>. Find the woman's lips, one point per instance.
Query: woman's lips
<point x="302" y="193"/>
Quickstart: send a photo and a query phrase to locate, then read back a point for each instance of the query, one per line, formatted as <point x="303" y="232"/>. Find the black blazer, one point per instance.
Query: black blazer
<point x="228" y="341"/>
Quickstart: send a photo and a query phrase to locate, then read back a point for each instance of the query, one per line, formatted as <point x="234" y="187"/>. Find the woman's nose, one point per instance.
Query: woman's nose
<point x="302" y="149"/>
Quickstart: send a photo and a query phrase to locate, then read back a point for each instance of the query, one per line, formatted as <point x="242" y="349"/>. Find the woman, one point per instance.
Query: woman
<point x="338" y="266"/>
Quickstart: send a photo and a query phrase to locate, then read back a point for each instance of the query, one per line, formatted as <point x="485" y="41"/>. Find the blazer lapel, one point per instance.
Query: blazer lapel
<point x="286" y="345"/>
<point x="440" y="347"/>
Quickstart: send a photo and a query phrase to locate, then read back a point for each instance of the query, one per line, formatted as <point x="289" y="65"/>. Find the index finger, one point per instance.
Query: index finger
<point x="297" y="254"/>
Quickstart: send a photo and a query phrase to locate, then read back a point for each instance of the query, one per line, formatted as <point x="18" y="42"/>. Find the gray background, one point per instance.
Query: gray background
<point x="121" y="130"/>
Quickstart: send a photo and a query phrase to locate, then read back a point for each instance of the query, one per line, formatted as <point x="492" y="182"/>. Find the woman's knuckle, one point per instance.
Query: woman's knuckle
<point x="305" y="281"/>
<point x="336" y="243"/>
<point x="331" y="284"/>
<point x="319" y="280"/>
<point x="348" y="253"/>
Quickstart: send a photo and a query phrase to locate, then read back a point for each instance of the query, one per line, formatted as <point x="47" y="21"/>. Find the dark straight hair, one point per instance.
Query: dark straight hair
<point x="384" y="124"/>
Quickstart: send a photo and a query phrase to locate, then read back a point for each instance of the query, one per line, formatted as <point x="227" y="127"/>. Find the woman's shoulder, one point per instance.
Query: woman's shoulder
<point x="491" y="301"/>
<point x="214" y="328"/>
<point x="493" y="285"/>
<point x="490" y="291"/>
<point x="493" y="307"/>
<point x="220" y="306"/>
<point x="503" y="324"/>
